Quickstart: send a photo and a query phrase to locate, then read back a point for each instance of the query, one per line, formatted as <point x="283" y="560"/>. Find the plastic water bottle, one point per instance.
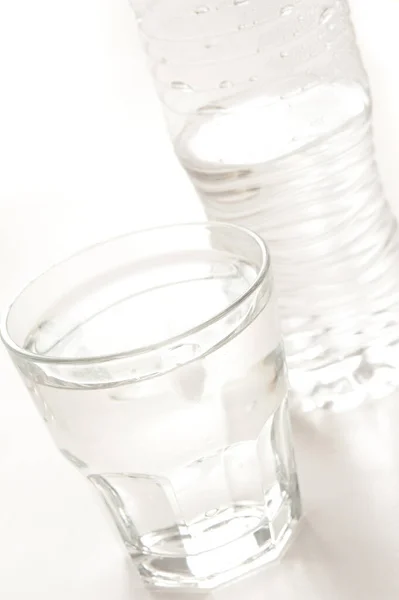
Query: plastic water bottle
<point x="269" y="111"/>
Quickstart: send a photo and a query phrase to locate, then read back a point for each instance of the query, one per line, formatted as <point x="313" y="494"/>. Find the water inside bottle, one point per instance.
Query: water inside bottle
<point x="300" y="170"/>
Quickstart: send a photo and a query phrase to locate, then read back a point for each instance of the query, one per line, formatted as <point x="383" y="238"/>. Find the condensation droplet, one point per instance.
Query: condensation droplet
<point x="253" y="79"/>
<point x="247" y="25"/>
<point x="326" y="16"/>
<point x="240" y="2"/>
<point x="180" y="85"/>
<point x="210" y="109"/>
<point x="286" y="10"/>
<point x="301" y="18"/>
<point x="225" y="84"/>
<point x="212" y="513"/>
<point x="283" y="54"/>
<point x="201" y="10"/>
<point x="332" y="26"/>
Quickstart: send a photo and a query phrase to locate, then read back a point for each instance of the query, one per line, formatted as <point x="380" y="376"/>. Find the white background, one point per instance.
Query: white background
<point x="83" y="156"/>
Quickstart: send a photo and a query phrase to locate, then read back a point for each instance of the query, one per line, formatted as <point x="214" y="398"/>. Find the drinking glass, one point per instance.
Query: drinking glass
<point x="156" y="361"/>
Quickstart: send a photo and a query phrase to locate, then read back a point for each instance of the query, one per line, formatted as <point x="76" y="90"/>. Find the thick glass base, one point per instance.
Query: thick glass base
<point x="211" y="520"/>
<point x="252" y="541"/>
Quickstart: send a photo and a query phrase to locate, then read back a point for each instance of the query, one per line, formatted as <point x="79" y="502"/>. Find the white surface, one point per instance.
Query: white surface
<point x="84" y="156"/>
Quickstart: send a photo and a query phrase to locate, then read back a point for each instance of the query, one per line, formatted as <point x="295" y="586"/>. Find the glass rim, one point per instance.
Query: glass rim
<point x="21" y="352"/>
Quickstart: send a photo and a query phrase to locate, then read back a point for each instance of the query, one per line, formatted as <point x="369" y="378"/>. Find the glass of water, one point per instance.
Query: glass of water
<point x="156" y="361"/>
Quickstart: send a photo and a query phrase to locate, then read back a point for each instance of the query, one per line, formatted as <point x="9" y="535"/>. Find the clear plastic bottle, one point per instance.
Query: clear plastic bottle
<point x="269" y="111"/>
